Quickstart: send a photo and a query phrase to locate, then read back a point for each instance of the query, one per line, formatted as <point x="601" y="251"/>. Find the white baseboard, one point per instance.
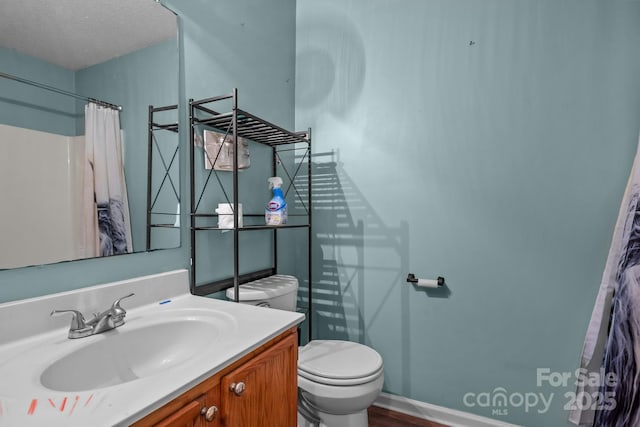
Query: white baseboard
<point x="438" y="414"/>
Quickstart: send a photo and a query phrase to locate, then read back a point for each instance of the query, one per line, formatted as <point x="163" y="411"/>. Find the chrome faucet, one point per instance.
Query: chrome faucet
<point x="107" y="320"/>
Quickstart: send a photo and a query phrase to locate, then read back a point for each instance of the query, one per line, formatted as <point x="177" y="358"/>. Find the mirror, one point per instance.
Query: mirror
<point x="121" y="52"/>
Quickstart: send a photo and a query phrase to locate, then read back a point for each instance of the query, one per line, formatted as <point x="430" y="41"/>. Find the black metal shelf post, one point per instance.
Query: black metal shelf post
<point x="234" y="124"/>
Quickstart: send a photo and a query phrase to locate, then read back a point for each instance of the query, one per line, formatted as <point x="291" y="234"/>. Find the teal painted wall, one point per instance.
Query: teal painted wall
<point x="249" y="44"/>
<point x="31" y="107"/>
<point x="488" y="142"/>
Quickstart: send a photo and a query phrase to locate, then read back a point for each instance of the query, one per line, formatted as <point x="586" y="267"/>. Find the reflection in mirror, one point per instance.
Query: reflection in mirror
<point x="163" y="187"/>
<point x="53" y="57"/>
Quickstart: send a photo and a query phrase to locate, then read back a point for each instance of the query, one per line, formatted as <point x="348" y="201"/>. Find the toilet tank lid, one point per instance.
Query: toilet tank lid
<point x="268" y="287"/>
<point x="337" y="359"/>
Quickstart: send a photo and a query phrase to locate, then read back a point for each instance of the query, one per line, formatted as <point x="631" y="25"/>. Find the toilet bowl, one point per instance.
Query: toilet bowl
<point x="337" y="380"/>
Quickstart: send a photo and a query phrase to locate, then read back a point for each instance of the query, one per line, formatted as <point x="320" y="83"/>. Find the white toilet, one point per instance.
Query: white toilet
<point x="338" y="380"/>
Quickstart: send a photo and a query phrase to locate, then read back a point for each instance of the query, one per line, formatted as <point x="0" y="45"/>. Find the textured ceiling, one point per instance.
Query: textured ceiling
<point x="76" y="34"/>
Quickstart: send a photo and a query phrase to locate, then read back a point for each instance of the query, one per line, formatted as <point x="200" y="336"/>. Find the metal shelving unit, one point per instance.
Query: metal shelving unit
<point x="239" y="123"/>
<point x="154" y="126"/>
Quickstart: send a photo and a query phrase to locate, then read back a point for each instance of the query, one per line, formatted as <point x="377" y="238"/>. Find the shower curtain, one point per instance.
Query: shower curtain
<point x="611" y="349"/>
<point x="106" y="209"/>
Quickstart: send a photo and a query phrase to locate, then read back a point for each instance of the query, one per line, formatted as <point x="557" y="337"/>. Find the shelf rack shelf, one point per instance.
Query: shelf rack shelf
<point x="234" y="124"/>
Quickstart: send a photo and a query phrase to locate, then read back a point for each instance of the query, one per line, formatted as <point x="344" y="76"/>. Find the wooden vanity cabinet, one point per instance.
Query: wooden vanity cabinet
<point x="259" y="390"/>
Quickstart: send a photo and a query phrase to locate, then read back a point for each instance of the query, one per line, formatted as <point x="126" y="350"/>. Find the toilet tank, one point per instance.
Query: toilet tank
<point x="277" y="291"/>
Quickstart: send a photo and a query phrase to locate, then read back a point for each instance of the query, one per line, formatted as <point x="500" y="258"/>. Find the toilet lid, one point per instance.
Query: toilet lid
<point x="338" y="360"/>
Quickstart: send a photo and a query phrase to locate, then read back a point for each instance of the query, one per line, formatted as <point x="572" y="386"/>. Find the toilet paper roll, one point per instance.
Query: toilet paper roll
<point x="427" y="283"/>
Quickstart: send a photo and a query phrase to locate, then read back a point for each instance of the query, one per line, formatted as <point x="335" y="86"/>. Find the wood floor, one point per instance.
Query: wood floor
<point x="380" y="417"/>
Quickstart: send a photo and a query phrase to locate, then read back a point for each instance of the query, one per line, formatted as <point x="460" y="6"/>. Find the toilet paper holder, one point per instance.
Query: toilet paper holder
<point x="411" y="278"/>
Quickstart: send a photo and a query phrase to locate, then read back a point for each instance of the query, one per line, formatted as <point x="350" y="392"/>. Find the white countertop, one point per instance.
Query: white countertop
<point x="24" y="401"/>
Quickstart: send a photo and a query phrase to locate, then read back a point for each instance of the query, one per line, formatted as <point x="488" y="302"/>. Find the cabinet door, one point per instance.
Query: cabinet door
<point x="263" y="392"/>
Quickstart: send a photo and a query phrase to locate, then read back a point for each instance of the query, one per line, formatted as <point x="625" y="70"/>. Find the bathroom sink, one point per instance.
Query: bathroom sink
<point x="170" y="342"/>
<point x="141" y="348"/>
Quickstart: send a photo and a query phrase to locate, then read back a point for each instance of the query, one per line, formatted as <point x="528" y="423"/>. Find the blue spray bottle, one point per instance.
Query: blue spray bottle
<point x="275" y="212"/>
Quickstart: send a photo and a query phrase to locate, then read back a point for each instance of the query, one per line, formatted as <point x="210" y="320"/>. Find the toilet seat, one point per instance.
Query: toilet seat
<point x="340" y="363"/>
<point x="340" y="382"/>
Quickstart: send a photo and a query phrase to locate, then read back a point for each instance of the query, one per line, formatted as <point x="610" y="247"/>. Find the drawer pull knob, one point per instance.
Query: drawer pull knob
<point x="209" y="413"/>
<point x="237" y="388"/>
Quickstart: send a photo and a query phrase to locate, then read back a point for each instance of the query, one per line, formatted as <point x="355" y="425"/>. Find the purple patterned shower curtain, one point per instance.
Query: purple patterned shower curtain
<point x="612" y="343"/>
<point x="107" y="224"/>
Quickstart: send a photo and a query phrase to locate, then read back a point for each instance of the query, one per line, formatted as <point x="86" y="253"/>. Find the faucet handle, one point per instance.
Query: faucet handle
<point x="117" y="312"/>
<point x="77" y="321"/>
<point x="78" y="327"/>
<point x="116" y="304"/>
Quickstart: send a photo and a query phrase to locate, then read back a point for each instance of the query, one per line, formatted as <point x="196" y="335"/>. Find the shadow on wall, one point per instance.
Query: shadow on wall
<point x="346" y="231"/>
<point x="360" y="267"/>
<point x="331" y="56"/>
